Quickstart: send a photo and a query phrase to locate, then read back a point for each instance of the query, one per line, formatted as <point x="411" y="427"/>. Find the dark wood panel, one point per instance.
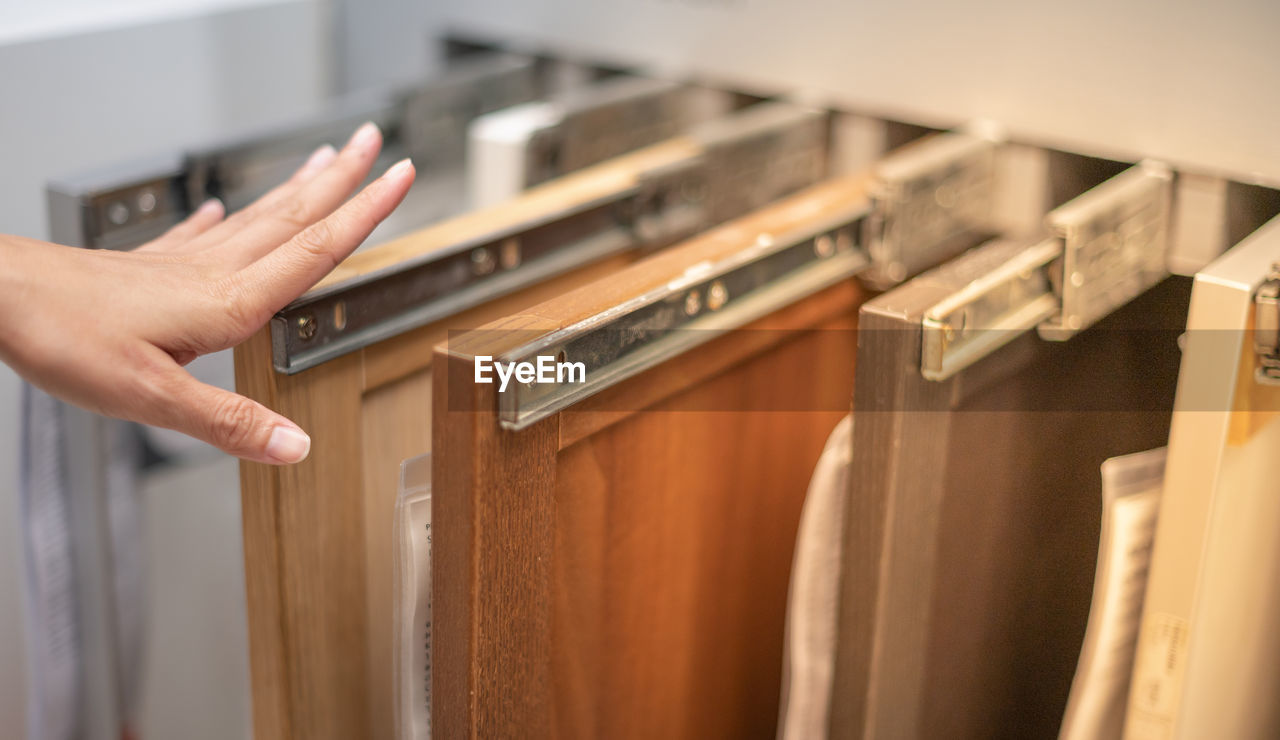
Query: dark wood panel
<point x="972" y="528"/>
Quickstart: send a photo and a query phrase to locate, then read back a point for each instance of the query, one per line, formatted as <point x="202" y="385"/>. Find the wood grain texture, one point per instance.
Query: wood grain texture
<point x="493" y="512"/>
<point x="674" y="503"/>
<point x="318" y="569"/>
<point x="317" y="535"/>
<point x="675" y="532"/>
<point x="259" y="500"/>
<point x="974" y="511"/>
<point x="380" y="405"/>
<point x="304" y="550"/>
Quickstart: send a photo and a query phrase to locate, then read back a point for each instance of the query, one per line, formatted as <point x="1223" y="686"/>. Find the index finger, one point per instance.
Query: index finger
<point x="289" y="270"/>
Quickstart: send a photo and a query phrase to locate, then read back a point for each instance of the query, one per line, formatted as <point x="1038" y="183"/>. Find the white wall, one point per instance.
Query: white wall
<point x="85" y="84"/>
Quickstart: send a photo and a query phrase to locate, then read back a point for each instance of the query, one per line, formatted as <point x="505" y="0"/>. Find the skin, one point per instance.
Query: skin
<point x="114" y="330"/>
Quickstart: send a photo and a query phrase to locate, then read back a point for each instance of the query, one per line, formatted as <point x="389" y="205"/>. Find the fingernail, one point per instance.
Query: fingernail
<point x="213" y="204"/>
<point x="288" y="445"/>
<point x="398" y="170"/>
<point x="365" y="137"/>
<point x="320" y="158"/>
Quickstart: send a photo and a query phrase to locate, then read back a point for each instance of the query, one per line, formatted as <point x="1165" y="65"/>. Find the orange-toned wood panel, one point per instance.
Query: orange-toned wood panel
<point x="304" y="563"/>
<point x="366" y="412"/>
<point x="674" y="537"/>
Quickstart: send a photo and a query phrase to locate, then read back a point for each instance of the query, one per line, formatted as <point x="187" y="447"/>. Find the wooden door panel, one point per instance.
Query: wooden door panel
<point x="972" y="527"/>
<point x="673" y="540"/>
<point x="317" y="535"/>
<point x="620" y="567"/>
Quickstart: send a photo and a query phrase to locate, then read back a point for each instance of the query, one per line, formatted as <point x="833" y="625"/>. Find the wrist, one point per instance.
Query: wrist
<point x="16" y="274"/>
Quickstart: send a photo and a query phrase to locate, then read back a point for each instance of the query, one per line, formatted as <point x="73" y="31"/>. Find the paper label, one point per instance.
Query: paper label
<point x="1157" y="685"/>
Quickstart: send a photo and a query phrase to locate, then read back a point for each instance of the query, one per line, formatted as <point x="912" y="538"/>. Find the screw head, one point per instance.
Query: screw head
<point x="146" y="201"/>
<point x="823" y="246"/>
<point x="692" y="303"/>
<point x="717" y="296"/>
<point x="306" y="327"/>
<point x="482" y="261"/>
<point x="118" y="213"/>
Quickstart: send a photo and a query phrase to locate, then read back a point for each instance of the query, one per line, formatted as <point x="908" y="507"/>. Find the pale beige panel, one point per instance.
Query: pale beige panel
<point x="397" y="425"/>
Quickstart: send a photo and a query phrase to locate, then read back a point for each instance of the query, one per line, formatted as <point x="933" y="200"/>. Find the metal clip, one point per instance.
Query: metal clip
<point x="758" y="155"/>
<point x="1266" y="328"/>
<point x="988" y="313"/>
<point x="1108" y="246"/>
<point x="127" y="206"/>
<point x="707" y="301"/>
<point x="661" y="206"/>
<point x="1114" y="241"/>
<point x="434" y="118"/>
<point x="929" y="202"/>
<point x="612" y="117"/>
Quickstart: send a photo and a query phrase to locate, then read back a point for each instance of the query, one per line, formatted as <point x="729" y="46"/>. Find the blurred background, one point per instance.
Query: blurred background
<point x="87" y="84"/>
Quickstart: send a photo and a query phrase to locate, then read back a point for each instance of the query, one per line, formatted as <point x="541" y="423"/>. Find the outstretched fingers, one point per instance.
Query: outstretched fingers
<point x="178" y="238"/>
<point x="285" y="217"/>
<point x="286" y="272"/>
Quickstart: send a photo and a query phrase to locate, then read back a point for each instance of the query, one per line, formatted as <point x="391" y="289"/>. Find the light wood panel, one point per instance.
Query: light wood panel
<point x="318" y="534"/>
<point x="304" y="545"/>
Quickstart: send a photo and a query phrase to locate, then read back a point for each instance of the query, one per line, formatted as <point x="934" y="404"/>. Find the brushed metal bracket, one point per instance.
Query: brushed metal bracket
<point x="1115" y="239"/>
<point x="664" y="205"/>
<point x="694" y="308"/>
<point x="126" y="206"/>
<point x="1106" y="247"/>
<point x="613" y="117"/>
<point x="1266" y="327"/>
<point x="929" y="202"/>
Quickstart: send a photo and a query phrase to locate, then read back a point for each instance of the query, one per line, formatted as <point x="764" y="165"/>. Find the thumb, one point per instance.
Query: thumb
<point x="234" y="424"/>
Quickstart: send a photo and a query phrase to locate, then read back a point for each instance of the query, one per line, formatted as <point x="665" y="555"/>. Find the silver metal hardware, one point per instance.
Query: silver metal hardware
<point x="693" y="303"/>
<point x="707" y="301"/>
<point x="1266" y="328"/>
<point x="433" y="118"/>
<point x="127" y="206"/>
<point x="609" y="118"/>
<point x="929" y="202"/>
<point x="989" y="312"/>
<point x="1107" y="247"/>
<point x="1114" y="242"/>
<point x="734" y="166"/>
<point x="482" y="261"/>
<point x="307" y="327"/>
<point x="718" y="295"/>
<point x="757" y="155"/>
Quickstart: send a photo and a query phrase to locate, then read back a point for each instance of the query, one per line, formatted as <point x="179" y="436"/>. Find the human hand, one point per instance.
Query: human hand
<point x="111" y="331"/>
